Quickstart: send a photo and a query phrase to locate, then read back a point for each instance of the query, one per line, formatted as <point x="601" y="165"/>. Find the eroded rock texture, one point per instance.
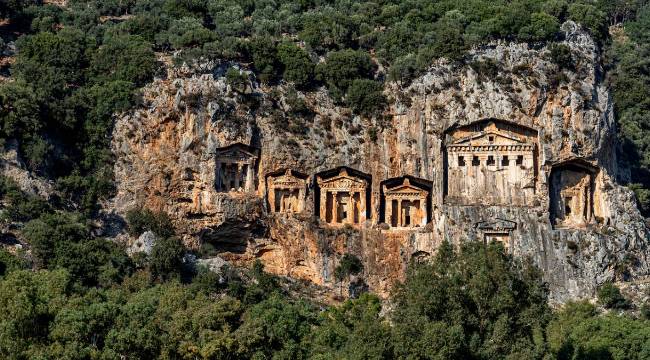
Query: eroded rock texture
<point x="538" y="169"/>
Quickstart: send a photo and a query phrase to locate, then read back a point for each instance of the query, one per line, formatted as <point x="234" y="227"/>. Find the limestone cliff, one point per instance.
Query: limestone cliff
<point x="168" y="150"/>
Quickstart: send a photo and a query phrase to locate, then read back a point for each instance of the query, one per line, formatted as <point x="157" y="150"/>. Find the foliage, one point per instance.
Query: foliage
<point x="341" y="68"/>
<point x="166" y="259"/>
<point x="609" y="295"/>
<point x="579" y="332"/>
<point x="348" y="265"/>
<point x="365" y="97"/>
<point x="475" y="303"/>
<point x="140" y="220"/>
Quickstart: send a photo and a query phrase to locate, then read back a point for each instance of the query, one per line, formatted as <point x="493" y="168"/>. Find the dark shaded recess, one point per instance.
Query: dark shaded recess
<point x="334" y="172"/>
<point x="233" y="236"/>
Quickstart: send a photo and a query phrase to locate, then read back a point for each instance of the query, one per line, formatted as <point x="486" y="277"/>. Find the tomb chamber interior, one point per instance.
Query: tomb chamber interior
<point x="490" y="162"/>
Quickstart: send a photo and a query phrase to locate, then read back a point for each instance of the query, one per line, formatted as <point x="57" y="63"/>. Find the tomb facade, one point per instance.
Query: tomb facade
<point x="343" y="197"/>
<point x="405" y="204"/>
<point x="286" y="191"/>
<point x="235" y="168"/>
<point x="491" y="163"/>
<point x="572" y="194"/>
<point x="497" y="230"/>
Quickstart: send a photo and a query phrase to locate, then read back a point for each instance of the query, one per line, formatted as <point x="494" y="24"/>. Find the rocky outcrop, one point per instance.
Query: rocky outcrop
<point x="165" y="159"/>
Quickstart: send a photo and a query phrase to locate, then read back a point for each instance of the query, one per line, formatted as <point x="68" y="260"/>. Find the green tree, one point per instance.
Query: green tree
<point x="298" y="68"/>
<point x="341" y="68"/>
<point x="609" y="295"/>
<point x="166" y="259"/>
<point x="365" y="97"/>
<point x="474" y="303"/>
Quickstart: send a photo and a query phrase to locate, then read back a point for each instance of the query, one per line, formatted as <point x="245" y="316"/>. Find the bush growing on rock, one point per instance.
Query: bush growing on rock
<point x="365" y="97"/>
<point x="140" y="220"/>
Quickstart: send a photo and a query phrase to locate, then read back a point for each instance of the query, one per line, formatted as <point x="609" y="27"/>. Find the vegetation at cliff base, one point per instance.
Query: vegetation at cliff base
<point x="473" y="303"/>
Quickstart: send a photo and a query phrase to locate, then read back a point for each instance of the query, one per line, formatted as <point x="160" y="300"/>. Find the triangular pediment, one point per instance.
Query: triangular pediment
<point x="343" y="178"/>
<point x="405" y="189"/>
<point x="490" y="137"/>
<point x="287" y="180"/>
<point x="236" y="151"/>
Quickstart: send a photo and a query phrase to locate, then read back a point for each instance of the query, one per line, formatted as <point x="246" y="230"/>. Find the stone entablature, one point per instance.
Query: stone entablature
<point x="342" y="198"/>
<point x="235" y="168"/>
<point x="286" y="192"/>
<point x="405" y="205"/>
<point x="491" y="163"/>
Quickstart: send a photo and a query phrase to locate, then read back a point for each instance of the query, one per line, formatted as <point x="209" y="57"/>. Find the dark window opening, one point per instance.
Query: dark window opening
<point x="505" y="161"/>
<point x="461" y="161"/>
<point x="520" y="160"/>
<point x="476" y="161"/>
<point x="567" y="206"/>
<point x="491" y="139"/>
<point x="490" y="160"/>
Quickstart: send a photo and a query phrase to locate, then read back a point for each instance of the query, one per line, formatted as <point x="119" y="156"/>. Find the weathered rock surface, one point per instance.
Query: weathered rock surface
<point x="166" y="148"/>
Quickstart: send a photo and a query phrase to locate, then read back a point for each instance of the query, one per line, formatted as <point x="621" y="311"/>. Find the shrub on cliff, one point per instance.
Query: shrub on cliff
<point x="140" y="220"/>
<point x="609" y="295"/>
<point x="365" y="97"/>
<point x="298" y="68"/>
<point x="341" y="68"/>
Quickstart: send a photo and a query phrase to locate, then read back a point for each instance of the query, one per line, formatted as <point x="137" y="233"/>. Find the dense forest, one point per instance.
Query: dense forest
<point x="77" y="65"/>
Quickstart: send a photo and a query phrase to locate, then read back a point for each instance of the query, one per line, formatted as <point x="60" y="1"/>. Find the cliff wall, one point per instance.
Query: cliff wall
<point x="167" y="153"/>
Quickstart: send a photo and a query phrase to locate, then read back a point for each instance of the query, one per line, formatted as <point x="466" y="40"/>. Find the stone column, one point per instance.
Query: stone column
<point x="349" y="219"/>
<point x="388" y="218"/>
<point x="399" y="212"/>
<point x="237" y="175"/>
<point x="250" y="178"/>
<point x="272" y="199"/>
<point x="425" y="212"/>
<point x="323" y="205"/>
<point x="301" y="200"/>
<point x="335" y="207"/>
<point x="362" y="207"/>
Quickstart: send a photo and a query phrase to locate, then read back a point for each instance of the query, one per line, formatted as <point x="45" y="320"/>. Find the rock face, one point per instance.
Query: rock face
<point x="507" y="147"/>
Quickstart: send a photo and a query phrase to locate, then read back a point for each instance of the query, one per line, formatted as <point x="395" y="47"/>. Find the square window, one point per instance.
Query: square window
<point x="490" y="160"/>
<point x="505" y="161"/>
<point x="491" y="139"/>
<point x="520" y="160"/>
<point x="461" y="161"/>
<point x="476" y="161"/>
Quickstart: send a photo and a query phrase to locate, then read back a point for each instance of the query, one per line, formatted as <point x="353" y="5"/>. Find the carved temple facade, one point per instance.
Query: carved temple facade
<point x="486" y="163"/>
<point x="491" y="163"/>
<point x="572" y="194"/>
<point x="235" y="168"/>
<point x="406" y="204"/>
<point x="343" y="196"/>
<point x="287" y="191"/>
